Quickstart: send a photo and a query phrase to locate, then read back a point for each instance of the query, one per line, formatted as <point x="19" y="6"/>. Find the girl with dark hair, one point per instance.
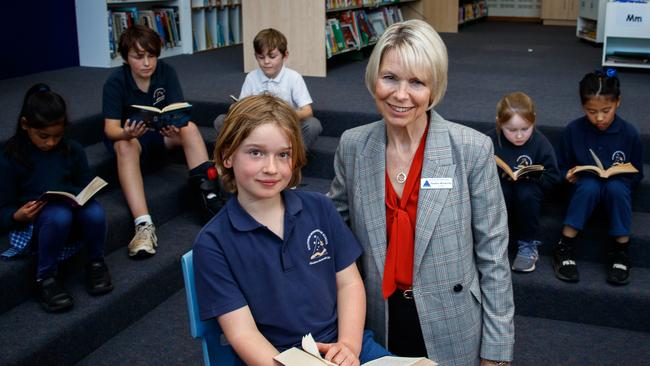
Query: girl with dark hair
<point x="601" y="133"/>
<point x="36" y="159"/>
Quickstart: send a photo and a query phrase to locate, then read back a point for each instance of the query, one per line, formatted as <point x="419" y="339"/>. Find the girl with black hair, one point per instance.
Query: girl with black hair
<point x="600" y="132"/>
<point x="38" y="158"/>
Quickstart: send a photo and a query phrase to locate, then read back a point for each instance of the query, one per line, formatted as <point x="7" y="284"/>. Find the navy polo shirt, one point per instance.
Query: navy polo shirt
<point x="289" y="285"/>
<point x="537" y="150"/>
<point x="619" y="143"/>
<point x="121" y="91"/>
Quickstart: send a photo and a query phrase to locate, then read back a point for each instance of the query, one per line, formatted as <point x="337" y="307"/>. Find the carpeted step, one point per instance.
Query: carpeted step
<point x="590" y="301"/>
<point x="167" y="196"/>
<point x="541" y="342"/>
<point x="34" y="337"/>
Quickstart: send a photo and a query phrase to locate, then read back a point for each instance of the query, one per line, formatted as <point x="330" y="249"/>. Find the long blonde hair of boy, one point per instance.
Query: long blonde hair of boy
<point x="245" y="116"/>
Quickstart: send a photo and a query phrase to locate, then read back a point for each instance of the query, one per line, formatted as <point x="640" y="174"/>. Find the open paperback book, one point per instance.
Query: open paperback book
<point x="309" y="356"/>
<point x="523" y="170"/>
<point x="601" y="171"/>
<point x="87" y="193"/>
<point x="175" y="114"/>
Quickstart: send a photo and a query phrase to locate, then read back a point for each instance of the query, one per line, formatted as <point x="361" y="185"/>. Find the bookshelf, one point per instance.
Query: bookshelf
<point x="446" y="16"/>
<point x="215" y="23"/>
<point x="95" y="27"/>
<point x="627" y="35"/>
<point x="591" y="20"/>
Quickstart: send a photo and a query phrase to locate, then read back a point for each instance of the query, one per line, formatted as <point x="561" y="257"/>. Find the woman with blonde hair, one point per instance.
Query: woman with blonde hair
<point x="422" y="196"/>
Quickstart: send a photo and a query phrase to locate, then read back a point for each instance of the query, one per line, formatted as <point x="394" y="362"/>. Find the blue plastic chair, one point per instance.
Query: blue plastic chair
<point x="216" y="351"/>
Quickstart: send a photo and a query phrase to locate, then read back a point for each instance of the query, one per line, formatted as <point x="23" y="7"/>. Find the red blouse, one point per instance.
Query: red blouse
<point x="401" y="217"/>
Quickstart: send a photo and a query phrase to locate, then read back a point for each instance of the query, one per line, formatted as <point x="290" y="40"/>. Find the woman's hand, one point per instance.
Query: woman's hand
<point x="570" y="177"/>
<point x="170" y="131"/>
<point x="134" y="129"/>
<point x="339" y="353"/>
<point x="28" y="211"/>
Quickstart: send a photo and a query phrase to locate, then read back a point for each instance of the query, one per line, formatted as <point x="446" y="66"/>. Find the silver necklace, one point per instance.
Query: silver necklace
<point x="400" y="177"/>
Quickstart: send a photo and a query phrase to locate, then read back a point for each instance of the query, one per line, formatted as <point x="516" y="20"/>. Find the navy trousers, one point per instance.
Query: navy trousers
<point x="523" y="199"/>
<point x="59" y="224"/>
<point x="614" y="194"/>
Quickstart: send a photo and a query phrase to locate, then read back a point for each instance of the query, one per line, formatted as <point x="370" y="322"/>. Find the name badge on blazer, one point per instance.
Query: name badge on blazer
<point x="436" y="183"/>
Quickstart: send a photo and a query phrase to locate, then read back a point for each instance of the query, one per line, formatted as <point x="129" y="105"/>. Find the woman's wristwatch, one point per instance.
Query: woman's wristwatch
<point x="500" y="363"/>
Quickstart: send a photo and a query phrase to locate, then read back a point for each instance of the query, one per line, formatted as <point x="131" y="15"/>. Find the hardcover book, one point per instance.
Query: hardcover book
<point x="601" y="171"/>
<point x="520" y="171"/>
<point x="175" y="114"/>
<point x="87" y="193"/>
<point x="309" y="356"/>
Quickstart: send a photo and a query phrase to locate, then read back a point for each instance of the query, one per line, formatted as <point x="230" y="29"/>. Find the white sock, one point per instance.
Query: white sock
<point x="144" y="219"/>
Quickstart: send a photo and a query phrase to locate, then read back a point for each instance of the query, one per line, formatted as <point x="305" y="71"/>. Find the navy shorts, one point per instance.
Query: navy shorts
<point x="152" y="143"/>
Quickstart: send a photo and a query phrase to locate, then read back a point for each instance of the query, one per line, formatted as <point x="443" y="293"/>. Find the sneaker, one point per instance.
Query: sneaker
<point x="144" y="241"/>
<point x="618" y="271"/>
<point x="564" y="263"/>
<point x="98" y="279"/>
<point x="527" y="256"/>
<point x="52" y="296"/>
<point x="212" y="198"/>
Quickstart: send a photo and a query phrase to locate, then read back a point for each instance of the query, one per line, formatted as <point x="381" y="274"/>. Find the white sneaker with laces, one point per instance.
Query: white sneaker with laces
<point x="144" y="241"/>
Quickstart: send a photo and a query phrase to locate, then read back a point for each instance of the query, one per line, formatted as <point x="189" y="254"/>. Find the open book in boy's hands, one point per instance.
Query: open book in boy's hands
<point x="309" y="356"/>
<point x="175" y="114"/>
<point x="79" y="200"/>
<point x="601" y="171"/>
<point x="514" y="175"/>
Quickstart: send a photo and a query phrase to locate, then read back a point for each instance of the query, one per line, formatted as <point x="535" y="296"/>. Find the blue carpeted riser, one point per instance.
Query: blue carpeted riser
<point x="590" y="301"/>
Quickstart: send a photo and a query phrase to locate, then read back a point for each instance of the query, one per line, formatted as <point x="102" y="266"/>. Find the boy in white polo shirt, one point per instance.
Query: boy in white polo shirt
<point x="273" y="77"/>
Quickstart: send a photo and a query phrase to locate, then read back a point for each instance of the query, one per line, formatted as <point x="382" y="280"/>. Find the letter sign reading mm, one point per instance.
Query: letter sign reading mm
<point x="634" y="18"/>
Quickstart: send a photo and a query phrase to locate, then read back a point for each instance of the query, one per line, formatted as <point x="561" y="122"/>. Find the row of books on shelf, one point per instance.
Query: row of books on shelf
<point x="338" y="4"/>
<point x="354" y="29"/>
<point x="217" y="27"/>
<point x="164" y="21"/>
<point x="214" y="3"/>
<point x="471" y="11"/>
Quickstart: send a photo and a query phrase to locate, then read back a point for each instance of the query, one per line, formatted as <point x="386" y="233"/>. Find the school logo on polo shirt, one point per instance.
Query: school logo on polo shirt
<point x="618" y="157"/>
<point x="524" y="160"/>
<point x="317" y="247"/>
<point x="158" y="95"/>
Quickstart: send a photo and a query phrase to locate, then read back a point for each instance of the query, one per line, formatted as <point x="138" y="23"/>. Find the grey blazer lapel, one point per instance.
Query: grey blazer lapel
<point x="372" y="183"/>
<point x="438" y="163"/>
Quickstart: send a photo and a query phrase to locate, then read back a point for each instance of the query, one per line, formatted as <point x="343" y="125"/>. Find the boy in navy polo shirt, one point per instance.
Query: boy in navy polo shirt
<point x="143" y="80"/>
<point x="276" y="263"/>
<point x="613" y="141"/>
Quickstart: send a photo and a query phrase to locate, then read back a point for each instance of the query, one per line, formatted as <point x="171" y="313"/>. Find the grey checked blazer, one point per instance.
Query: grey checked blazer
<point x="461" y="274"/>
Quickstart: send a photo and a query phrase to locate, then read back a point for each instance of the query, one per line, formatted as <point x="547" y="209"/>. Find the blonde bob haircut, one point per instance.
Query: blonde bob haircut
<point x="422" y="51"/>
<point x="244" y="117"/>
<point x="516" y="103"/>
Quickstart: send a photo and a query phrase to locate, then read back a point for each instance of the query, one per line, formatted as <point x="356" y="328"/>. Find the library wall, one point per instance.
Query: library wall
<point x="40" y="40"/>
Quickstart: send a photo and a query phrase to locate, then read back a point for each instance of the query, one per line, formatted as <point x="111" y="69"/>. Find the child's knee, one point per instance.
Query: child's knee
<point x="127" y="149"/>
<point x="58" y="216"/>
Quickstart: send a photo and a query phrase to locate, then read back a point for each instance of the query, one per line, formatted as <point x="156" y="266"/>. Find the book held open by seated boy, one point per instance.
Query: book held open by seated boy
<point x="601" y="171"/>
<point x="309" y="356"/>
<point x="175" y="114"/>
<point x="514" y="175"/>
<point x="79" y="200"/>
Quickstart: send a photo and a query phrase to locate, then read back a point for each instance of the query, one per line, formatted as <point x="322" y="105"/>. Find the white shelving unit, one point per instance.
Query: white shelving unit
<point x="215" y="23"/>
<point x="591" y="20"/>
<point x="93" y="33"/>
<point x="627" y="35"/>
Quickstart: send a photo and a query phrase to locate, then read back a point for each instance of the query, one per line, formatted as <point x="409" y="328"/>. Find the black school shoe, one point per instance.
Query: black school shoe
<point x="52" y="296"/>
<point x="618" y="270"/>
<point x="564" y="263"/>
<point x="98" y="279"/>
